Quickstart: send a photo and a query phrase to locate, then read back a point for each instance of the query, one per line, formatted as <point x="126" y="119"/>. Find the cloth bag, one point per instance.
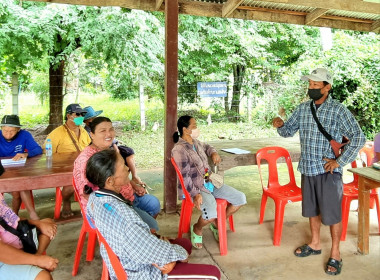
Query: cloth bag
<point x="217" y="180"/>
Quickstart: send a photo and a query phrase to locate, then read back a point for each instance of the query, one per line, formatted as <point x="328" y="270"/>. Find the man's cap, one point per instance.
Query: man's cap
<point x="11" y="120"/>
<point x="74" y="108"/>
<point x="319" y="75"/>
<point x="91" y="113"/>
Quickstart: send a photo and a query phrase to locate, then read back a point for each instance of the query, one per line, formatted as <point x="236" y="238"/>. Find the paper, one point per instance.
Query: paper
<point x="236" y="151"/>
<point x="9" y="162"/>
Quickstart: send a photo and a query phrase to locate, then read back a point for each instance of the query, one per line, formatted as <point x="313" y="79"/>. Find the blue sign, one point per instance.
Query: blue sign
<point x="212" y="89"/>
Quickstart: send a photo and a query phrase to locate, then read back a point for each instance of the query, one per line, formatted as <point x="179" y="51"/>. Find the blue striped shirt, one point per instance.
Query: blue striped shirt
<point x="337" y="121"/>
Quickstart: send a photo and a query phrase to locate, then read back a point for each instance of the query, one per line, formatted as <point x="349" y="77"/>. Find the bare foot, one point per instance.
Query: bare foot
<point x="67" y="214"/>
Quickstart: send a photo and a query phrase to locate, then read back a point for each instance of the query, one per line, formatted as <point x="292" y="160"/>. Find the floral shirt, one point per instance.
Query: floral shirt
<point x="192" y="160"/>
<point x="80" y="179"/>
<point x="12" y="219"/>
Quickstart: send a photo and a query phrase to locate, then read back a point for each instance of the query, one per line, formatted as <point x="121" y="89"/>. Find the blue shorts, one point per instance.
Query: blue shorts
<point x="18" y="272"/>
<point x="148" y="203"/>
<point x="208" y="206"/>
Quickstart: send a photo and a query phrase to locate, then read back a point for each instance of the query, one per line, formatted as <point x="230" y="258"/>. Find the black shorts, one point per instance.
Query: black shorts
<point x="322" y="195"/>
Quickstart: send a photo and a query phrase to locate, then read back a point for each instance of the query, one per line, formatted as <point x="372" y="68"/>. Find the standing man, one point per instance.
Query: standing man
<point x="18" y="144"/>
<point x="69" y="138"/>
<point x="321" y="179"/>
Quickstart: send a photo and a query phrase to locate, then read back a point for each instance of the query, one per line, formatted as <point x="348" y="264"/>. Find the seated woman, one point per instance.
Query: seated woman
<point x="14" y="262"/>
<point x="18" y="144"/>
<point x="142" y="254"/>
<point x="191" y="157"/>
<point x="102" y="135"/>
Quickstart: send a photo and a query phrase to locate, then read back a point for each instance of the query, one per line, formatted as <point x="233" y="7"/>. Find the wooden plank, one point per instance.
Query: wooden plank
<point x="158" y="4"/>
<point x="171" y="96"/>
<point x="375" y="27"/>
<point x="230" y="6"/>
<point x="314" y="15"/>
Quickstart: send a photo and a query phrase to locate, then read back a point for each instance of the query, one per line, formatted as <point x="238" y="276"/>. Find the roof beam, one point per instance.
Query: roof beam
<point x="146" y="5"/>
<point x="310" y="17"/>
<point x="230" y="6"/>
<point x="375" y="27"/>
<point x="158" y="4"/>
<point x="344" y="5"/>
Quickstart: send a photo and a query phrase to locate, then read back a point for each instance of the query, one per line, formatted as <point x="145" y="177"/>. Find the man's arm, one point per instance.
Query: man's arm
<point x="13" y="256"/>
<point x="290" y="127"/>
<point x="31" y="145"/>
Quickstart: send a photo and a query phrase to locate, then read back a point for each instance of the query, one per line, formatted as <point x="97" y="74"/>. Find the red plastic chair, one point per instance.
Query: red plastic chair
<point x="351" y="191"/>
<point x="281" y="194"/>
<point x="91" y="241"/>
<point x="187" y="210"/>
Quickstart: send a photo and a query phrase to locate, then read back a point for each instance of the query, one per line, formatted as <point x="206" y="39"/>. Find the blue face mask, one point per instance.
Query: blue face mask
<point x="78" y="121"/>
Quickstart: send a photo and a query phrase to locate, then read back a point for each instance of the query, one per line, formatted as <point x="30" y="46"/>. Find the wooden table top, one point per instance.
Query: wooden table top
<point x="36" y="174"/>
<point x="230" y="160"/>
<point x="367" y="172"/>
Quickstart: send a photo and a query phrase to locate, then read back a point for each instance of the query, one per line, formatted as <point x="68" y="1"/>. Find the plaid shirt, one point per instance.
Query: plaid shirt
<point x="192" y="165"/>
<point x="130" y="239"/>
<point x="338" y="122"/>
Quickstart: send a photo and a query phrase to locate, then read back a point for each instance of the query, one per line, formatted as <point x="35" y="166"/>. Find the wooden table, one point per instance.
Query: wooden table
<point x="369" y="178"/>
<point x="230" y="160"/>
<point x="37" y="175"/>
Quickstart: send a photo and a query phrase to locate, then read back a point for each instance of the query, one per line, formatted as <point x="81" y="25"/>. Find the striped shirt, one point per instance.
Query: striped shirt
<point x="337" y="121"/>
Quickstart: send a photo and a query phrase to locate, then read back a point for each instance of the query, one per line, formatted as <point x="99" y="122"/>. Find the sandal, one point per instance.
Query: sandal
<point x="215" y="231"/>
<point x="196" y="239"/>
<point x="335" y="264"/>
<point x="306" y="251"/>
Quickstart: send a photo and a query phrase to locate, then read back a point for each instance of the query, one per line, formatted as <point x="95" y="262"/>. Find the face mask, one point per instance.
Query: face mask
<point x="195" y="133"/>
<point x="315" y="94"/>
<point x="78" y="121"/>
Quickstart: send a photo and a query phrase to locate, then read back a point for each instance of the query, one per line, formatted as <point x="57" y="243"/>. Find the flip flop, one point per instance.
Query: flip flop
<point x="196" y="239"/>
<point x="306" y="251"/>
<point x="215" y="231"/>
<point x="335" y="264"/>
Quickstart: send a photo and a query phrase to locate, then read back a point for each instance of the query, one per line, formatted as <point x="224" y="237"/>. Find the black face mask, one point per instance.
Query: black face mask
<point x="315" y="94"/>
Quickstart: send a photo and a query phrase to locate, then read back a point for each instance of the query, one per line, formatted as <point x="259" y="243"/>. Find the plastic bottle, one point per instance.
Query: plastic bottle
<point x="49" y="153"/>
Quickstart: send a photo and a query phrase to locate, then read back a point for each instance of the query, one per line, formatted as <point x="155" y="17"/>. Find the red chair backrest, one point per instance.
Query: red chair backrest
<point x="369" y="153"/>
<point x="115" y="262"/>
<point x="87" y="223"/>
<point x="271" y="155"/>
<point x="179" y="175"/>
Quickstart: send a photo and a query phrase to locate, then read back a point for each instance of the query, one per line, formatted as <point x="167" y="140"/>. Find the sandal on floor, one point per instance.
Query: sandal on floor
<point x="215" y="231"/>
<point x="196" y="239"/>
<point x="306" y="251"/>
<point x="335" y="264"/>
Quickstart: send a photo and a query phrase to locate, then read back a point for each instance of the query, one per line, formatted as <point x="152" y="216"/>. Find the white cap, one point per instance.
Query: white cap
<point x="319" y="75"/>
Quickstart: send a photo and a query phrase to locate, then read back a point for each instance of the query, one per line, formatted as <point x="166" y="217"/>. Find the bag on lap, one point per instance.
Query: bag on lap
<point x="27" y="234"/>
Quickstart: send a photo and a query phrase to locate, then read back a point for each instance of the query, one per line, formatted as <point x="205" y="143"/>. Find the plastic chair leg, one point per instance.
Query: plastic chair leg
<point x="105" y="275"/>
<point x="221" y="212"/>
<point x="58" y="203"/>
<point x="78" y="253"/>
<point x="378" y="209"/>
<point x="346" y="202"/>
<point x="231" y="222"/>
<point x="185" y="218"/>
<point x="278" y="222"/>
<point x="264" y="199"/>
<point x="91" y="243"/>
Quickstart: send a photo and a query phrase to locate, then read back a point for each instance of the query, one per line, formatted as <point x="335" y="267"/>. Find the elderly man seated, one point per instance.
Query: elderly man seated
<point x="19" y="144"/>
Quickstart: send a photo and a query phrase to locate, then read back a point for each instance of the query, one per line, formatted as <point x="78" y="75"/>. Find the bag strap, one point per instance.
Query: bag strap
<point x="72" y="138"/>
<point x="320" y="127"/>
<point x="8" y="227"/>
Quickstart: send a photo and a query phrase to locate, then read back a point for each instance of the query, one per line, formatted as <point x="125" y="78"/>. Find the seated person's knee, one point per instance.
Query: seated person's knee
<point x="44" y="275"/>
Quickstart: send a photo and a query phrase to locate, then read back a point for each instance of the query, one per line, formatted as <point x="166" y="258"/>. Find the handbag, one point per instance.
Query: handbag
<point x="26" y="232"/>
<point x="217" y="180"/>
<point x="336" y="146"/>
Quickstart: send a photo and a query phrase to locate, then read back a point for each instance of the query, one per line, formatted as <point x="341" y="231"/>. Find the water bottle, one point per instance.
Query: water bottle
<point x="49" y="153"/>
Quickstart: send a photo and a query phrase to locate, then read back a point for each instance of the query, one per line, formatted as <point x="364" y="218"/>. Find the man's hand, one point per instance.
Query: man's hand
<point x="330" y="165"/>
<point x="215" y="158"/>
<point x="20" y="156"/>
<point x="46" y="262"/>
<point x="166" y="268"/>
<point x="198" y="201"/>
<point x="277" y="122"/>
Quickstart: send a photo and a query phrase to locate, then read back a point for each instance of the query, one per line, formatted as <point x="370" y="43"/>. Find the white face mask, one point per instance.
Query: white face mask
<point x="195" y="133"/>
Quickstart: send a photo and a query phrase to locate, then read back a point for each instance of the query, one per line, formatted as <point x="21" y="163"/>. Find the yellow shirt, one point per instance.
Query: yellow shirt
<point x="62" y="143"/>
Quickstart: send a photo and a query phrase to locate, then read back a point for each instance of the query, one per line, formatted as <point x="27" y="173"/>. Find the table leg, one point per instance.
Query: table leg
<point x="363" y="215"/>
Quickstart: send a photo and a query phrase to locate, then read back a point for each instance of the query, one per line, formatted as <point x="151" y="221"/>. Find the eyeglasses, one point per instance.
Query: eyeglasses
<point x="80" y="114"/>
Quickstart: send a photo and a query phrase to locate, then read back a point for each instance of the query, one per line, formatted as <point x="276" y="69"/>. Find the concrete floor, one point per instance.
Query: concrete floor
<point x="251" y="254"/>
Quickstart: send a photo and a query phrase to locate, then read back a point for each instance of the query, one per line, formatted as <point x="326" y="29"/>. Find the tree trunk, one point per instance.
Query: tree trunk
<point x="226" y="105"/>
<point x="15" y="93"/>
<point x="239" y="71"/>
<point x="56" y="75"/>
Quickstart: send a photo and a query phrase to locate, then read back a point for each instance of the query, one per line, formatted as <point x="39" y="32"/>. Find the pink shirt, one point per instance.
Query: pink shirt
<point x="80" y="179"/>
<point x="12" y="219"/>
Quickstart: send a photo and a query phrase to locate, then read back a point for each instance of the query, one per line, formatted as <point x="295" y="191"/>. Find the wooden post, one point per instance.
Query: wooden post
<point x="142" y="106"/>
<point x="15" y="87"/>
<point x="171" y="95"/>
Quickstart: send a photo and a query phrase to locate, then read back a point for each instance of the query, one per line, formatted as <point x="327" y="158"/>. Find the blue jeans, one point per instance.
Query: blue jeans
<point x="146" y="207"/>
